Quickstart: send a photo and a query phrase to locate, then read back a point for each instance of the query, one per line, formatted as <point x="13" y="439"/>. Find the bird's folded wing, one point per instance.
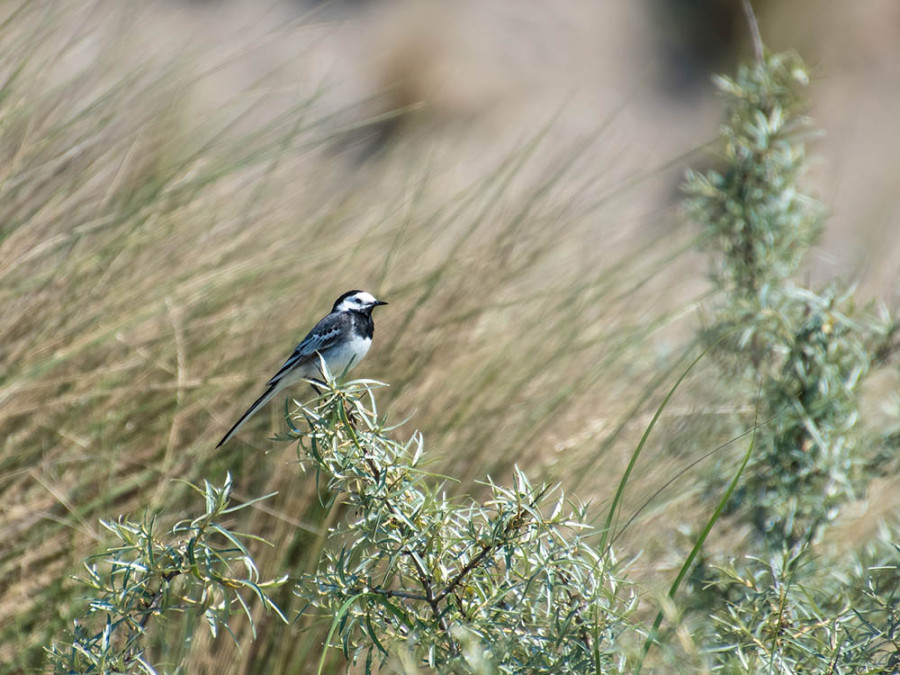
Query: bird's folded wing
<point x="322" y="338"/>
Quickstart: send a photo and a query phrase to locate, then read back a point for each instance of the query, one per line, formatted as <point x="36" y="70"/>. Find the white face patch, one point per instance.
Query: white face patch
<point x="357" y="301"/>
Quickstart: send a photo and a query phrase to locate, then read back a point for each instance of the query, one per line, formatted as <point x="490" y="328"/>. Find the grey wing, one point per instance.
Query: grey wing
<point x="321" y="338"/>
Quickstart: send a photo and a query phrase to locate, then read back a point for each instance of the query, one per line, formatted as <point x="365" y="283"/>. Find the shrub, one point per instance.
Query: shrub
<point x="805" y="351"/>
<point x="198" y="566"/>
<point x="509" y="585"/>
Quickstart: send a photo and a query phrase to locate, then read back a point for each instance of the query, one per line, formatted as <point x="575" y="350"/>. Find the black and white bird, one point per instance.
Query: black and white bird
<point x="342" y="339"/>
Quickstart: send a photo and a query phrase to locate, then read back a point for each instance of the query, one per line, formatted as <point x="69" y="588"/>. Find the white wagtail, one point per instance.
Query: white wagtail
<point x="342" y="338"/>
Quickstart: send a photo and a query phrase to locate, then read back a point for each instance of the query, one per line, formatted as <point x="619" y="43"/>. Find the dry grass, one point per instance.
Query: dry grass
<point x="162" y="248"/>
<point x="155" y="265"/>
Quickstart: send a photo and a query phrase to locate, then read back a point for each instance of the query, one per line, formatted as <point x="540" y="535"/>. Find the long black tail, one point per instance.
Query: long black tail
<point x="259" y="403"/>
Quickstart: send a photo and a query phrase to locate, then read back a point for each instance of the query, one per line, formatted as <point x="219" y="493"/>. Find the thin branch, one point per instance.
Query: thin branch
<point x="472" y="564"/>
<point x="754" y="31"/>
<point x="514" y="524"/>
<point x="428" y="586"/>
<point x="425" y="579"/>
<point x="398" y="594"/>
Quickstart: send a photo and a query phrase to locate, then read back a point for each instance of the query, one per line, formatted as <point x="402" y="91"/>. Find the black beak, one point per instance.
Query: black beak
<point x="379" y="302"/>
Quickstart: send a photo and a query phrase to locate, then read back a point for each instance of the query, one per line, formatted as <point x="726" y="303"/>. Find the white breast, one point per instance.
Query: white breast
<point x="350" y="352"/>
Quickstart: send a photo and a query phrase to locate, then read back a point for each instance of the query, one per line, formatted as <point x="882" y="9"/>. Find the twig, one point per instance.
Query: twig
<point x="514" y="524"/>
<point x="472" y="564"/>
<point x="388" y="593"/>
<point x="425" y="579"/>
<point x="754" y="30"/>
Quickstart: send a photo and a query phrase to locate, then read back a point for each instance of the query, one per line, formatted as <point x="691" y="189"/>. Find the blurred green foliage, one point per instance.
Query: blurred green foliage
<point x="802" y="355"/>
<point x="805" y="351"/>
<point x="788" y="613"/>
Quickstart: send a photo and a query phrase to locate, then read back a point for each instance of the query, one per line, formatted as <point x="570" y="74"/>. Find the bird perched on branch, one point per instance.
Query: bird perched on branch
<point x="342" y="339"/>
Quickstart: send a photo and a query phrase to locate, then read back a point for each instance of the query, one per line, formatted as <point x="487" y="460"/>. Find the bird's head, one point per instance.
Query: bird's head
<point x="356" y="301"/>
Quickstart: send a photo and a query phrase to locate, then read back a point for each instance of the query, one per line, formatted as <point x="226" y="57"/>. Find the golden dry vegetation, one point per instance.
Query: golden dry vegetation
<point x="184" y="189"/>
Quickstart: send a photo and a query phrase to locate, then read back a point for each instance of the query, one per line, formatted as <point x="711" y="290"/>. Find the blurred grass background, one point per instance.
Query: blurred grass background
<point x="186" y="187"/>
